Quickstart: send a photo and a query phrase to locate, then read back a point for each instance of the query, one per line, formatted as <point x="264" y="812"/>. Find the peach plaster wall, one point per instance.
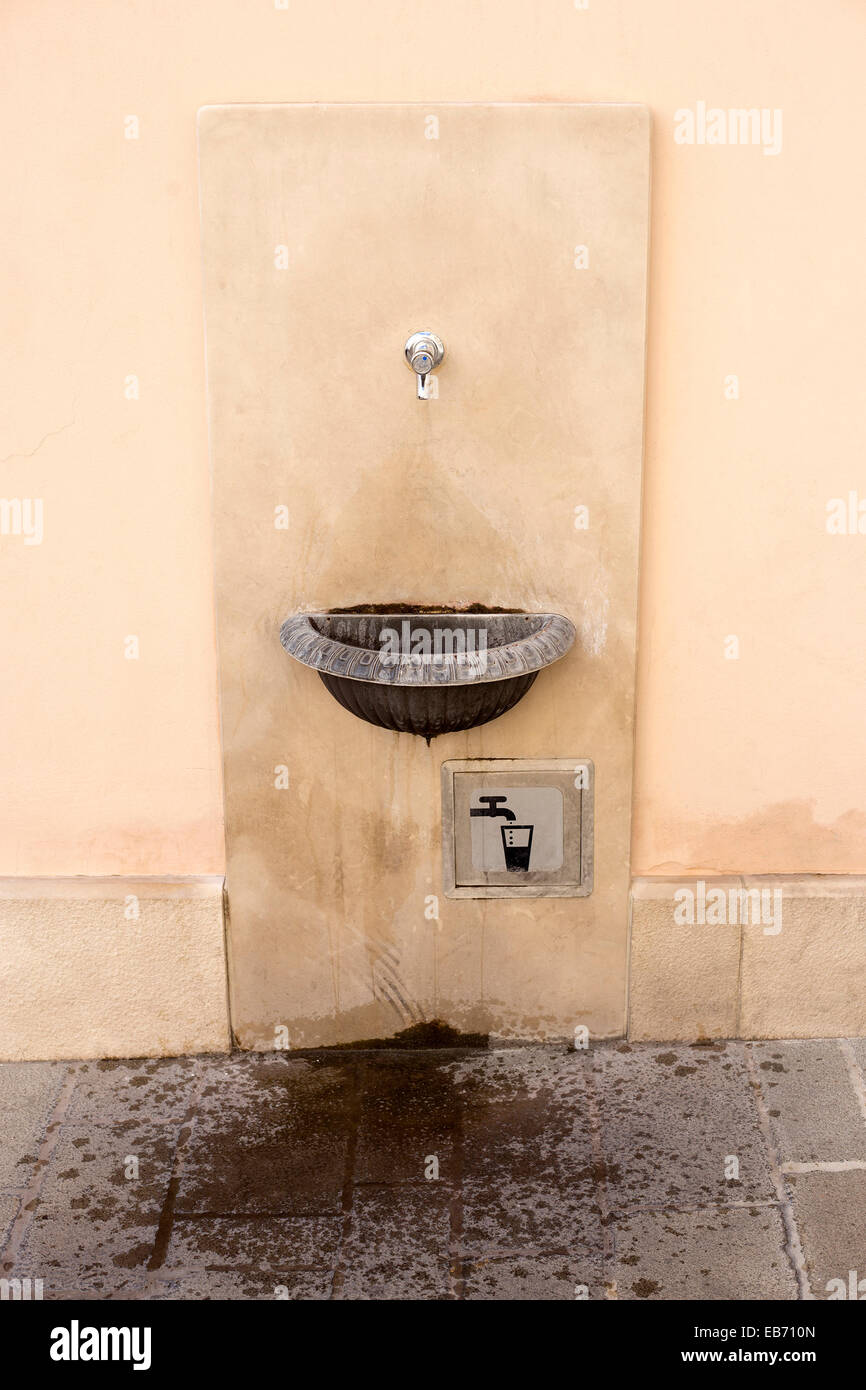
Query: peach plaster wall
<point x="111" y="765"/>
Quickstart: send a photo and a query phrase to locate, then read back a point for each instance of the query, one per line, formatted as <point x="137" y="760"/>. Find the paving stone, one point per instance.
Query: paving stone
<point x="311" y="1285"/>
<point x="717" y="1253"/>
<point x="814" y="1113"/>
<point x="237" y="1244"/>
<point x="526" y="1111"/>
<point x="671" y="1115"/>
<point x="530" y="1167"/>
<point x="398" y="1244"/>
<point x="510" y="1074"/>
<point x="830" y="1212"/>
<point x="529" y="1140"/>
<point x="158" y="1089"/>
<point x="271" y="1137"/>
<point x="513" y="1215"/>
<point x="858" y="1046"/>
<point x="9" y="1204"/>
<point x="91" y="1224"/>
<point x="28" y="1093"/>
<point x="93" y="1289"/>
<point x="410" y="1111"/>
<point x="541" y="1278"/>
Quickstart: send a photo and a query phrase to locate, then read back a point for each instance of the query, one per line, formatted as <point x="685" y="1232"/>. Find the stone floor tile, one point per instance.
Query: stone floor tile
<point x="716" y="1253"/>
<point x="830" y="1212"/>
<point x="232" y="1245"/>
<point x="540" y="1278"/>
<point x="398" y="1245"/>
<point x="272" y="1136"/>
<point x="158" y="1089"/>
<point x="410" y="1112"/>
<point x="205" y="1286"/>
<point x="671" y="1116"/>
<point x="28" y="1094"/>
<point x="9" y="1203"/>
<point x="91" y="1223"/>
<point x="530" y="1164"/>
<point x="814" y="1113"/>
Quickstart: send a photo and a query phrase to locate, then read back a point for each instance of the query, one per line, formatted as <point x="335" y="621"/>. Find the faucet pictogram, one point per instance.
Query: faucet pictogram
<point x="493" y="808"/>
<point x="516" y="839"/>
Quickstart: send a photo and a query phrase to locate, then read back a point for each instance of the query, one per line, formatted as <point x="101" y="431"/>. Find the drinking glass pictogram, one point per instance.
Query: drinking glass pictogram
<point x="517" y="846"/>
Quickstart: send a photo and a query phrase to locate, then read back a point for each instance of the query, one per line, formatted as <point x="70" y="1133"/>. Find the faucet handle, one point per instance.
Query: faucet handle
<point x="423" y="352"/>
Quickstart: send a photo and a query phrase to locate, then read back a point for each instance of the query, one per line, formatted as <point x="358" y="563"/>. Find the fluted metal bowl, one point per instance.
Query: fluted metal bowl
<point x="430" y="672"/>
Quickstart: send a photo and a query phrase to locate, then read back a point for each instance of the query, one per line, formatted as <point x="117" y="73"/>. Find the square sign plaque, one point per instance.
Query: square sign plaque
<point x="517" y="828"/>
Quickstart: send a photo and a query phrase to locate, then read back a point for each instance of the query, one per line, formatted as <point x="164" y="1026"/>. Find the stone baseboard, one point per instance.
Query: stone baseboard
<point x="81" y="975"/>
<point x="799" y="972"/>
<point x="112" y="967"/>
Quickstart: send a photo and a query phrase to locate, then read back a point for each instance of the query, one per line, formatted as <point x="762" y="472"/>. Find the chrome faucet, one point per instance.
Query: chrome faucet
<point x="423" y="353"/>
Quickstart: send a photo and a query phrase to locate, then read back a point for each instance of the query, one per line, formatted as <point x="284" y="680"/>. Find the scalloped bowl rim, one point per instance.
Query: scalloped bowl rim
<point x="538" y="649"/>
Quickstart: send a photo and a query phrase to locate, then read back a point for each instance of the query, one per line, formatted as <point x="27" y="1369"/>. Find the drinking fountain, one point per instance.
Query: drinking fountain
<point x="427" y="671"/>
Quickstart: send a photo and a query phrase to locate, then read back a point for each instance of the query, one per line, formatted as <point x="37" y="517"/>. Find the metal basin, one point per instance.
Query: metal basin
<point x="428" y="672"/>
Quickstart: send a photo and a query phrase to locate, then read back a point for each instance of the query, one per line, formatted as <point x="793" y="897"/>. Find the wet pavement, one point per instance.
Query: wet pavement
<point x="652" y="1171"/>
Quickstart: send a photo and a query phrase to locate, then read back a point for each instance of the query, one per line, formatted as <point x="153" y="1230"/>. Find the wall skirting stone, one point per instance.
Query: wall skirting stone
<point x="81" y="975"/>
<point x="112" y="967"/>
<point x="764" y="957"/>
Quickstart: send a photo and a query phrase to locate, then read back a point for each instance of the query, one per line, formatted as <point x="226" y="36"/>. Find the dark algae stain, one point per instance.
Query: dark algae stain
<point x="645" y="1288"/>
<point x="434" y="1034"/>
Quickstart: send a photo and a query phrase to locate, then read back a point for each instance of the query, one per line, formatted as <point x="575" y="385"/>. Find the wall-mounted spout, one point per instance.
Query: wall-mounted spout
<point x="423" y="353"/>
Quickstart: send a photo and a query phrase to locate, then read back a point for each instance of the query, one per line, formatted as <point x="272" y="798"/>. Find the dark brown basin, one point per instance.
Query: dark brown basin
<point x="430" y="672"/>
